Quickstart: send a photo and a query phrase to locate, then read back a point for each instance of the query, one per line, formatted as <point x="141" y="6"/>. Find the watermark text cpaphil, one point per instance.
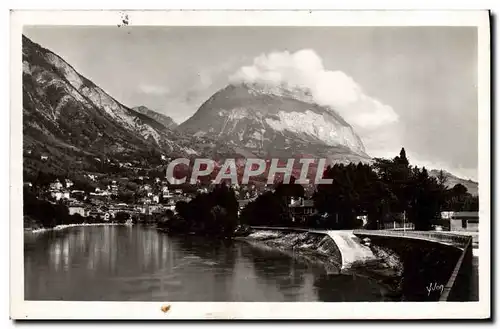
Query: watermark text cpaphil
<point x="241" y="170"/>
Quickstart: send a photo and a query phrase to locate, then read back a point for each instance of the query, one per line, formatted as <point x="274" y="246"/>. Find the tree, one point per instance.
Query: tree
<point x="289" y="190"/>
<point x="378" y="204"/>
<point x="442" y="179"/>
<point x="182" y="208"/>
<point x="402" y="160"/>
<point x="356" y="190"/>
<point x="425" y="203"/>
<point x="169" y="214"/>
<point x="459" y="190"/>
<point x="214" y="214"/>
<point x="458" y="199"/>
<point x="126" y="197"/>
<point x="269" y="209"/>
<point x="122" y="217"/>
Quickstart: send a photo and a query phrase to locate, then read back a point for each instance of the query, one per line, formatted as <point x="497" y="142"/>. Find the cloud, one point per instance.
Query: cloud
<point x="304" y="69"/>
<point x="207" y="81"/>
<point x="205" y="78"/>
<point x="153" y="89"/>
<point x="385" y="142"/>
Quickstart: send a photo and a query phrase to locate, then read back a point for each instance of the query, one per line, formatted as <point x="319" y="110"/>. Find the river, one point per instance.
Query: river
<point x="120" y="263"/>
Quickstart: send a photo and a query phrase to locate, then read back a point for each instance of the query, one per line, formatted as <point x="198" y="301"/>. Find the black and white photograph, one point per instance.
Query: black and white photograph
<point x="172" y="160"/>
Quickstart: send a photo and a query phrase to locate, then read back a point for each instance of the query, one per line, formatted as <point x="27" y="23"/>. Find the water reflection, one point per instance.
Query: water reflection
<point x="288" y="272"/>
<point x="137" y="263"/>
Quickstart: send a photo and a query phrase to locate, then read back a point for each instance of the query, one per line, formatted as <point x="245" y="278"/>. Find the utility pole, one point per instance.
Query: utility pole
<point x="404" y="221"/>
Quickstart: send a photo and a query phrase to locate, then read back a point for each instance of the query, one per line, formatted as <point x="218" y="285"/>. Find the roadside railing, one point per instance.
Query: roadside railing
<point x="458" y="284"/>
<point x="457" y="240"/>
<point x="459" y="272"/>
<point x="289" y="229"/>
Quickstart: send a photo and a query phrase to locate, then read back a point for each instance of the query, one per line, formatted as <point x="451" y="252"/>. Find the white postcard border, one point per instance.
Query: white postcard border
<point x="20" y="309"/>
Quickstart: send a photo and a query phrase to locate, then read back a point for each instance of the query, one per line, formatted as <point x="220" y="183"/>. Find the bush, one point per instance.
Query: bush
<point x="214" y="214"/>
<point x="122" y="217"/>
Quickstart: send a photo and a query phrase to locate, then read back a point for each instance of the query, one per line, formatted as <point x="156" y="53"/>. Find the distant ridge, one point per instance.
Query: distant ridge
<point x="452" y="180"/>
<point x="165" y="120"/>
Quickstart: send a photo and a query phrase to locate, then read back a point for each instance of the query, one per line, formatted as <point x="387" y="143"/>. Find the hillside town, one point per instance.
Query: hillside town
<point x="98" y="198"/>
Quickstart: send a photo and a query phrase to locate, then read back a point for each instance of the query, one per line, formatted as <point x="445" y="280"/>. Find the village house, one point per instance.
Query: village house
<point x="91" y="177"/>
<point x="58" y="192"/>
<point x="68" y="183"/>
<point x="150" y="209"/>
<point x="202" y="190"/>
<point x="100" y="212"/>
<point x="56" y="185"/>
<point x="464" y="221"/>
<point x="170" y="207"/>
<point x="301" y="209"/>
<point x="78" y="209"/>
<point x="242" y="204"/>
<point x="363" y="219"/>
<point x="126" y="164"/>
<point x="99" y="194"/>
<point x="122" y="207"/>
<point x="170" y="201"/>
<point x="60" y="195"/>
<point x="114" y="188"/>
<point x="78" y="194"/>
<point x="141" y="209"/>
<point x="166" y="192"/>
<point x="145" y="200"/>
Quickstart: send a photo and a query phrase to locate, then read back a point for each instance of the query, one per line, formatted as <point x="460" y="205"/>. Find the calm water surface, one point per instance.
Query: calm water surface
<point x="119" y="263"/>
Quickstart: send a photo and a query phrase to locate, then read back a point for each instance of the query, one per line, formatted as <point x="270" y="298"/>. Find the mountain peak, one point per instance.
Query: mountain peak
<point x="163" y="119"/>
<point x="271" y="120"/>
<point x="280" y="90"/>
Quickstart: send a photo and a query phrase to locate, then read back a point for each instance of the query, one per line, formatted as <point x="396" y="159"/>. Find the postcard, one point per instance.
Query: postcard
<point x="250" y="165"/>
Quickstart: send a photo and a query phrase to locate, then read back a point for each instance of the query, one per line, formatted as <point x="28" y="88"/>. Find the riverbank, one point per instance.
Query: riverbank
<point x="65" y="226"/>
<point x="311" y="247"/>
<point x="385" y="268"/>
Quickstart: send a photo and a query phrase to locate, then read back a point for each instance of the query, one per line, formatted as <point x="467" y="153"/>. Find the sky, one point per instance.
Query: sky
<point x="397" y="86"/>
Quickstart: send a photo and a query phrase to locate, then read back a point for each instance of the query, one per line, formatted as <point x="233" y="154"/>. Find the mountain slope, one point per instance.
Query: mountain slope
<point x="165" y="120"/>
<point x="68" y="116"/>
<point x="275" y="123"/>
<point x="452" y="180"/>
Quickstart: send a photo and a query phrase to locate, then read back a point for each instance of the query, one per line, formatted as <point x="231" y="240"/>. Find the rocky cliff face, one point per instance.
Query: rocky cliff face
<point x="67" y="115"/>
<point x="275" y="123"/>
